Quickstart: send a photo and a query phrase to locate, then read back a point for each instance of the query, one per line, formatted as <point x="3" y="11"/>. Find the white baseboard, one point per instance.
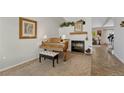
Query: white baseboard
<point x="18" y="64"/>
<point x="118" y="57"/>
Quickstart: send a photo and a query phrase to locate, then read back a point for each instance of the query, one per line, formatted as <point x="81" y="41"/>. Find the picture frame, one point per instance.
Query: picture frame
<point x="78" y="26"/>
<point x="27" y="28"/>
<point x="122" y="24"/>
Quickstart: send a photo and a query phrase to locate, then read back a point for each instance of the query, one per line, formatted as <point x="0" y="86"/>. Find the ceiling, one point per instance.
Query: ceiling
<point x="102" y="22"/>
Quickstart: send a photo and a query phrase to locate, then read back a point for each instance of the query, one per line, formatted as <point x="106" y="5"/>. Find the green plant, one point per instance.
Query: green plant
<point x="67" y="24"/>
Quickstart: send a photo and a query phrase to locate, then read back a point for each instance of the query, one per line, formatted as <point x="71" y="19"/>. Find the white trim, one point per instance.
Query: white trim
<point x="119" y="58"/>
<point x="18" y="64"/>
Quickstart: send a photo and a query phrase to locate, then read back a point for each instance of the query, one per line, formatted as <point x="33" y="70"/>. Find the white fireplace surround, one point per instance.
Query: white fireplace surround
<point x="79" y="37"/>
<point x="78" y="46"/>
<point x="86" y="28"/>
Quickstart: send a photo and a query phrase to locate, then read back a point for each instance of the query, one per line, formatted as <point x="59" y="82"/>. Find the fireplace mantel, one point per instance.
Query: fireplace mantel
<point x="77" y="33"/>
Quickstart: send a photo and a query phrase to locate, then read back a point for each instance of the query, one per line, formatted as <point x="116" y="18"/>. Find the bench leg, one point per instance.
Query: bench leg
<point x="53" y="63"/>
<point x="40" y="58"/>
<point x="57" y="59"/>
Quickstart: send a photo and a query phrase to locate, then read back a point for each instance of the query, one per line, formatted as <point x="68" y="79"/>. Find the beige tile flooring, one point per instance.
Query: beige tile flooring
<point x="101" y="63"/>
<point x="76" y="65"/>
<point x="104" y="64"/>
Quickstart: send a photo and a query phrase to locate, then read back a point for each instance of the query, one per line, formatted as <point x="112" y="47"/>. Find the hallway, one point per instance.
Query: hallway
<point x="104" y="64"/>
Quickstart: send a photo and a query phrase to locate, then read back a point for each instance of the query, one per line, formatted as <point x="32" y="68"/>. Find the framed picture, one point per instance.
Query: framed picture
<point x="79" y="26"/>
<point x="27" y="28"/>
<point x="122" y="24"/>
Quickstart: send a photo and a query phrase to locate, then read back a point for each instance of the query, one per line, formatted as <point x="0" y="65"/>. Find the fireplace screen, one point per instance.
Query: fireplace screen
<point x="77" y="46"/>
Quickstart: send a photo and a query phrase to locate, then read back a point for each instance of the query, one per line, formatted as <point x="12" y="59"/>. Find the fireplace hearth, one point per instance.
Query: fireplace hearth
<point x="77" y="46"/>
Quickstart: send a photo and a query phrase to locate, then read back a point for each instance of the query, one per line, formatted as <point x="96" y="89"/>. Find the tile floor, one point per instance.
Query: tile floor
<point x="101" y="63"/>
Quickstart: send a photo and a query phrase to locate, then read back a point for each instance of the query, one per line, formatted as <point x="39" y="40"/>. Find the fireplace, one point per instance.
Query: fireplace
<point x="77" y="46"/>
